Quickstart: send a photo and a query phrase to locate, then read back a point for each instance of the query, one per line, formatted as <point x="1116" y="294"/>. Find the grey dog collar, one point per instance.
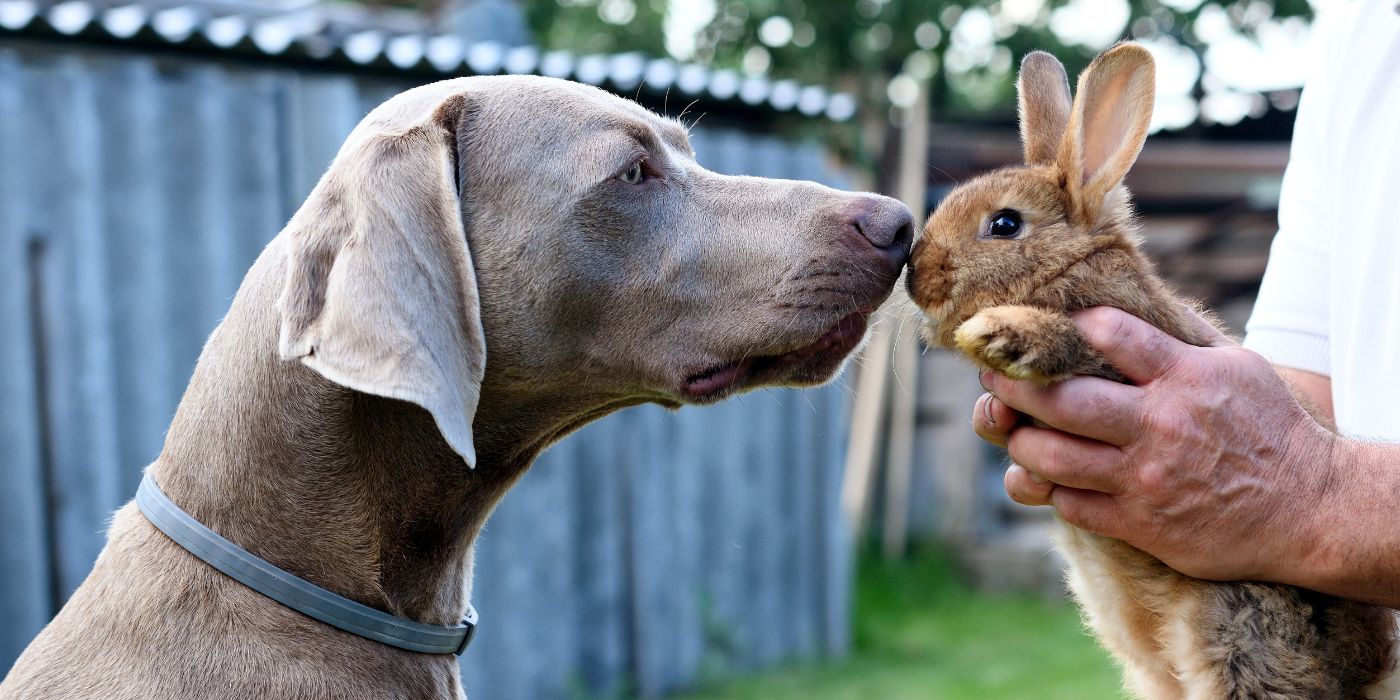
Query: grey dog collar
<point x="294" y="592"/>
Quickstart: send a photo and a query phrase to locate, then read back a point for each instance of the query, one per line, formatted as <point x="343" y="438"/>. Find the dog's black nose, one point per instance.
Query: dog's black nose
<point x="886" y="224"/>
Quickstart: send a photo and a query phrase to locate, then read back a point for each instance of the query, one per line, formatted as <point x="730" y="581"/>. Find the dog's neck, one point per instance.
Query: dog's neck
<point x="356" y="493"/>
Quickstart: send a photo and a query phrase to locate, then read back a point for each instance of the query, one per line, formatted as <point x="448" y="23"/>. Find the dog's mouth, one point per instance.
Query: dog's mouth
<point x="810" y="364"/>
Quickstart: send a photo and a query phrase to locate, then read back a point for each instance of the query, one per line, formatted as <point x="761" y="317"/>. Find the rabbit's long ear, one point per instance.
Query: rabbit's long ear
<point x="380" y="294"/>
<point x="1112" y="110"/>
<point x="1042" y="98"/>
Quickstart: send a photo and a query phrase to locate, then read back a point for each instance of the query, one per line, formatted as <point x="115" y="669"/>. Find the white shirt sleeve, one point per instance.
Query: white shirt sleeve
<point x="1289" y="325"/>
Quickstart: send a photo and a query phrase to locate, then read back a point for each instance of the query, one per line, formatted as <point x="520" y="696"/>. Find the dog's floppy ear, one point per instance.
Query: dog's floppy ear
<point x="381" y="294"/>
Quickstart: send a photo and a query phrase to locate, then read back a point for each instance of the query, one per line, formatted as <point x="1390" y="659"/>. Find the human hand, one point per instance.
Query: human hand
<point x="1205" y="461"/>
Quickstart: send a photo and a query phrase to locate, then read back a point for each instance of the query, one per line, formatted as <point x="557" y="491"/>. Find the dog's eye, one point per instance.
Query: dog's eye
<point x="633" y="175"/>
<point x="1004" y="224"/>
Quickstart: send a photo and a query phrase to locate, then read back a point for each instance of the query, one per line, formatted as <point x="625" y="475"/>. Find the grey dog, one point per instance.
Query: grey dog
<point x="488" y="264"/>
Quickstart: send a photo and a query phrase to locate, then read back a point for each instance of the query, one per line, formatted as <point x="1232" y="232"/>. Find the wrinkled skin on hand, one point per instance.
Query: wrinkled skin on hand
<point x="1205" y="451"/>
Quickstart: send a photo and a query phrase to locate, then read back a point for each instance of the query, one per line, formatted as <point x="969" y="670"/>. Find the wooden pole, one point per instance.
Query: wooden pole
<point x="863" y="448"/>
<point x="912" y="186"/>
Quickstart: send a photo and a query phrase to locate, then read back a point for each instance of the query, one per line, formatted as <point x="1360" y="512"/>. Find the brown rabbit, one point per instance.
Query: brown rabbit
<point x="1002" y="263"/>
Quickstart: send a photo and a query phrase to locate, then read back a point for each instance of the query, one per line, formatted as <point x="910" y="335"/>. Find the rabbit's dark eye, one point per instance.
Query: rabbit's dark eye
<point x="1004" y="224"/>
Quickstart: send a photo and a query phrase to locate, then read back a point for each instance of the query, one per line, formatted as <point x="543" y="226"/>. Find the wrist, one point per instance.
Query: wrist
<point x="1322" y="558"/>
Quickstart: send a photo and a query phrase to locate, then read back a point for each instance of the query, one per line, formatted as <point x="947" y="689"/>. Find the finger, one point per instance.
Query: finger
<point x="1096" y="408"/>
<point x="993" y="420"/>
<point x="1206" y="328"/>
<point x="1139" y="350"/>
<point x="1089" y="510"/>
<point x="1026" y="488"/>
<point x="1069" y="460"/>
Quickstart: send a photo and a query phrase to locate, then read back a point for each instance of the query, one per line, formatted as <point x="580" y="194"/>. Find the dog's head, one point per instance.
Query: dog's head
<point x="568" y="240"/>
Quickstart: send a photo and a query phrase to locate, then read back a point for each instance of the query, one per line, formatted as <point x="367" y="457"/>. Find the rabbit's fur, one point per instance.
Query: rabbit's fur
<point x="1005" y="302"/>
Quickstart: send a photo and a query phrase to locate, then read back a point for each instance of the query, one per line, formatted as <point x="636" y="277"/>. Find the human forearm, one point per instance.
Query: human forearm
<point x="1351" y="546"/>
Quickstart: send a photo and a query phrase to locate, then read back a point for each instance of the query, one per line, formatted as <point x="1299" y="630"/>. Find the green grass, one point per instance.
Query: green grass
<point x="921" y="634"/>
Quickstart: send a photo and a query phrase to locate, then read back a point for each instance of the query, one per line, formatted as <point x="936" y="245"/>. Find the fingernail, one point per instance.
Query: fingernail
<point x="986" y="379"/>
<point x="987" y="409"/>
<point x="1036" y="478"/>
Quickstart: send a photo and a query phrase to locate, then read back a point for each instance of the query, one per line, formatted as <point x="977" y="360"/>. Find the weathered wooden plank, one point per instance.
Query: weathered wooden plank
<point x="644" y="468"/>
<point x="65" y="154"/>
<point x="692" y="435"/>
<point x="527" y="596"/>
<point x="606" y="638"/>
<point x="836" y="576"/>
<point x="769" y="525"/>
<point x="766" y="526"/>
<point x="799" y="638"/>
<point x="131" y="131"/>
<point x="806" y="445"/>
<point x="832" y="574"/>
<point x="199" y="237"/>
<point x="951" y="453"/>
<point x="321" y="111"/>
<point x="27" y="585"/>
<point x="260" y="200"/>
<point x="836" y="571"/>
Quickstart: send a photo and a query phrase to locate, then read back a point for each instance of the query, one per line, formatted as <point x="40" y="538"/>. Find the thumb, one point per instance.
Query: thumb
<point x="1139" y="350"/>
<point x="1207" y="326"/>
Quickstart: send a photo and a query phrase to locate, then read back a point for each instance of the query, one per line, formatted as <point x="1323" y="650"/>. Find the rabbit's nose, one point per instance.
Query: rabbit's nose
<point x="885" y="223"/>
<point x="929" y="275"/>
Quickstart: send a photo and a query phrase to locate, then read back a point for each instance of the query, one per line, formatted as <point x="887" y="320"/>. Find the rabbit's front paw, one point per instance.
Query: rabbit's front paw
<point x="1021" y="342"/>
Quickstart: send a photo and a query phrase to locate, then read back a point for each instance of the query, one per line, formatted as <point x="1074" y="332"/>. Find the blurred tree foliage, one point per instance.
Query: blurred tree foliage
<point x="880" y="48"/>
<point x="599" y="26"/>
